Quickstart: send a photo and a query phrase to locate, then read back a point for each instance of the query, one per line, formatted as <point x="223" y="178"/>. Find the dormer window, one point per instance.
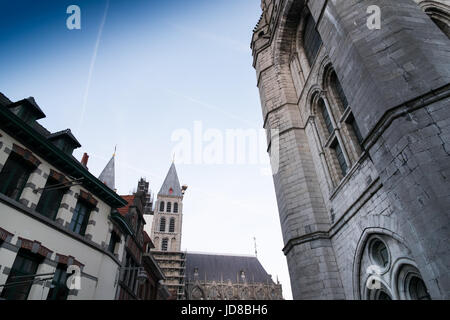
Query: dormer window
<point x="65" y="141"/>
<point x="27" y="110"/>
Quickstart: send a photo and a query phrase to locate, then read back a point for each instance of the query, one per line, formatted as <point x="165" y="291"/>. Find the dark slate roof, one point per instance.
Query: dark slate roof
<point x="32" y="103"/>
<point x="171" y="182"/>
<point x="65" y="133"/>
<point x="4" y="101"/>
<point x="108" y="174"/>
<point x="215" y="267"/>
<point x="40" y="129"/>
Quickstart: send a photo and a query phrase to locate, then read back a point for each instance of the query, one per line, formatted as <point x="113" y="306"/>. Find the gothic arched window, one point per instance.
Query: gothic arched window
<point x="336" y="147"/>
<point x="325" y="116"/>
<point x="440" y="18"/>
<point x="418" y="290"/>
<point x="349" y="132"/>
<point x="169" y="206"/>
<point x="331" y="141"/>
<point x="162" y="225"/>
<point x="164" y="244"/>
<point x="311" y="39"/>
<point x="172" y="225"/>
<point x="175" y="207"/>
<point x="337" y="88"/>
<point x="161" y="206"/>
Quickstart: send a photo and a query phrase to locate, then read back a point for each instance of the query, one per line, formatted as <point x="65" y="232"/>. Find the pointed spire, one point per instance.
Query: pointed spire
<point x="108" y="174"/>
<point x="171" y="185"/>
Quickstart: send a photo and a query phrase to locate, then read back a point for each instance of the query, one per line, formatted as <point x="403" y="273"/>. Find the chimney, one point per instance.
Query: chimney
<point x="85" y="159"/>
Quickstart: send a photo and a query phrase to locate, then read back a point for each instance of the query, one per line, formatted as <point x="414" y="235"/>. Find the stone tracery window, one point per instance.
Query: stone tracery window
<point x="325" y="116"/>
<point x="339" y="91"/>
<point x="410" y="284"/>
<point x="340" y="157"/>
<point x="331" y="144"/>
<point x="379" y="253"/>
<point x="311" y="39"/>
<point x="396" y="277"/>
<point x="440" y="17"/>
<point x="161" y="206"/>
<point x="380" y="294"/>
<point x="418" y="290"/>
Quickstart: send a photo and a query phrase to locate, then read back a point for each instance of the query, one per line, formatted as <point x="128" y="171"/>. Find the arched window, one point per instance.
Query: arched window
<point x="325" y="116"/>
<point x="336" y="147"/>
<point x="418" y="290"/>
<point x="161" y="206"/>
<point x="349" y="129"/>
<point x="440" y="18"/>
<point x="169" y="206"/>
<point x="162" y="225"/>
<point x="337" y="88"/>
<point x="379" y="295"/>
<point x="164" y="244"/>
<point x="172" y="225"/>
<point x="311" y="39"/>
<point x="175" y="207"/>
<point x="379" y="253"/>
<point x="331" y="142"/>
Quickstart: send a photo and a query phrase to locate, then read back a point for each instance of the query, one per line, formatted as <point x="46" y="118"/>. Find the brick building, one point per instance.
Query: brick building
<point x="363" y="144"/>
<point x="138" y="259"/>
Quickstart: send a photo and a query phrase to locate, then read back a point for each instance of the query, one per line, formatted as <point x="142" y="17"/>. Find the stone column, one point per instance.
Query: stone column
<point x="397" y="82"/>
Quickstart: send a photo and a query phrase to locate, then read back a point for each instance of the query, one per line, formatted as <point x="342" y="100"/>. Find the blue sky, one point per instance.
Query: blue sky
<point x="159" y="67"/>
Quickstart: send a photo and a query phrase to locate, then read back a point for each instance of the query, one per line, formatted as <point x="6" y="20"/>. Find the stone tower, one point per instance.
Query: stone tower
<point x="167" y="230"/>
<point x="364" y="143"/>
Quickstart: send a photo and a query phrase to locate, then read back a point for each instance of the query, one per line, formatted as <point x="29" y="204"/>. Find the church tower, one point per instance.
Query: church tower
<point x="357" y="120"/>
<point x="167" y="230"/>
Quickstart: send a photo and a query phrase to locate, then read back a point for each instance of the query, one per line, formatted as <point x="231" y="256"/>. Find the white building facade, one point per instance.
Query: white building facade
<point x="55" y="216"/>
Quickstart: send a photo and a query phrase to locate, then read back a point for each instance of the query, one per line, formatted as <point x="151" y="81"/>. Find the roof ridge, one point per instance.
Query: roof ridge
<point x="223" y="254"/>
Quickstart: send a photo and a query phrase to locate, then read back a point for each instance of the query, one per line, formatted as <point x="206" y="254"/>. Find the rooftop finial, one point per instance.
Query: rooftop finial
<point x="256" y="250"/>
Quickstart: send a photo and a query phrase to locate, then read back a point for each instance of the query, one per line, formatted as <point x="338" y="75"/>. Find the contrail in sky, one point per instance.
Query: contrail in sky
<point x="91" y="68"/>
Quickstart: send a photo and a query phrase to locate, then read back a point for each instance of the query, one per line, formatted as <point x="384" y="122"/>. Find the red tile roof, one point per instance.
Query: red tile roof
<point x="124" y="210"/>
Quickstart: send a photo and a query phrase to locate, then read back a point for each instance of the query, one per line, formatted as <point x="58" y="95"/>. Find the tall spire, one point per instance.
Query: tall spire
<point x="108" y="176"/>
<point x="171" y="185"/>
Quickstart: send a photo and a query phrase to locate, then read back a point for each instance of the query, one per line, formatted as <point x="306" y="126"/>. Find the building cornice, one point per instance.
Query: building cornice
<point x="36" y="216"/>
<point x="24" y="133"/>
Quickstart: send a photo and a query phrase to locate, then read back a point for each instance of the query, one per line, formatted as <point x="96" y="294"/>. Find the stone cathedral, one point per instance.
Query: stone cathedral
<point x="362" y="116"/>
<point x="202" y="276"/>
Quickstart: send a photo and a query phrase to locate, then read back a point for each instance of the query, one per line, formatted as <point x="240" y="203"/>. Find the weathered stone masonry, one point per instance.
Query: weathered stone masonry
<point x="396" y="81"/>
